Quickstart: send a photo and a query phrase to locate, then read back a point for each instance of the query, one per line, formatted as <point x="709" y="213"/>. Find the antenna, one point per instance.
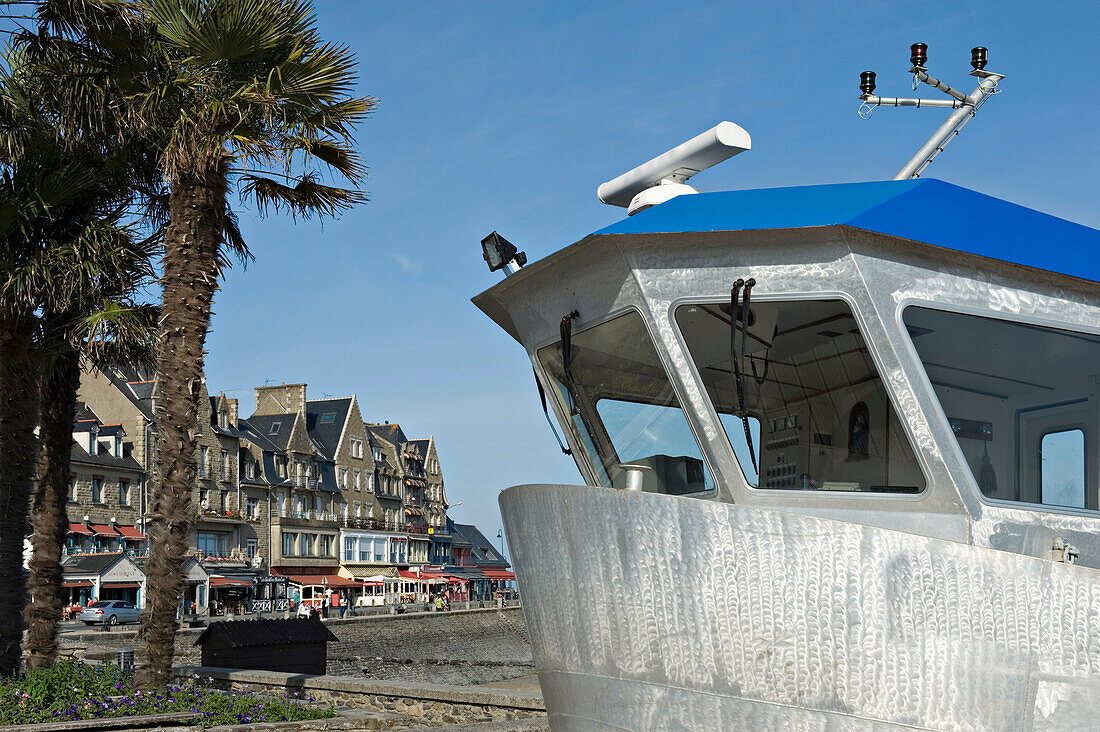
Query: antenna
<point x="664" y="177"/>
<point x="965" y="105"/>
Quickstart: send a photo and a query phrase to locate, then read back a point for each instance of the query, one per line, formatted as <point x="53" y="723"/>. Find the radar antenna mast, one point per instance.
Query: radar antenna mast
<point x="965" y="105"/>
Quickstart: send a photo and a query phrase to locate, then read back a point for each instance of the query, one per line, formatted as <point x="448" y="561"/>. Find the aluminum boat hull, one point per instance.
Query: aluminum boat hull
<point x="653" y="612"/>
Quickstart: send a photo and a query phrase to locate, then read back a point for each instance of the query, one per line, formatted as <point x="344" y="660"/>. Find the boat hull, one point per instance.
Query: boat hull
<point x="650" y="612"/>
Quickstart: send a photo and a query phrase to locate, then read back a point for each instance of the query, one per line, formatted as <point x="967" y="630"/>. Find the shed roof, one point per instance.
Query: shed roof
<point x="243" y="633"/>
<point x="924" y="210"/>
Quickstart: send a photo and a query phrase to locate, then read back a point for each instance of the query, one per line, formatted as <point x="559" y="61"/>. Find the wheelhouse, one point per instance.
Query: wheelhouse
<point x="913" y="355"/>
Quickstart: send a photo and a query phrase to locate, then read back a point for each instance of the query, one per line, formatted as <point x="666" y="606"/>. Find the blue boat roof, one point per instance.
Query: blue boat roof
<point x="924" y="210"/>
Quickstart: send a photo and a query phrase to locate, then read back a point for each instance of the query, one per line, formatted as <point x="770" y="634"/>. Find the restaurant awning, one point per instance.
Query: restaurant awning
<point x="130" y="533"/>
<point x="77" y="583"/>
<point x="79" y="529"/>
<point x="325" y="580"/>
<point x="119" y="585"/>
<point x="411" y="511"/>
<point x="502" y="575"/>
<point x="228" y="582"/>
<point x="103" y="530"/>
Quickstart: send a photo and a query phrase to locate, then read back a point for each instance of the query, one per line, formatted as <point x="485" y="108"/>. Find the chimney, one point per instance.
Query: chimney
<point x="232" y="411"/>
<point x="281" y="399"/>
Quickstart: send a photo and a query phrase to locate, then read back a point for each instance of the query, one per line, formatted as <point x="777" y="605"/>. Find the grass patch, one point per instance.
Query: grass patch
<point x="71" y="690"/>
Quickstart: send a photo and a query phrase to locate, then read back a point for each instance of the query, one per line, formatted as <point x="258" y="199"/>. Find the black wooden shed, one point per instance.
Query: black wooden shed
<point x="296" y="645"/>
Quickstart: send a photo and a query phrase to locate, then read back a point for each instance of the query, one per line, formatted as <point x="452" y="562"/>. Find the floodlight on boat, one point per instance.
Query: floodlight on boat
<point x="665" y="176"/>
<point x="500" y="253"/>
<point x="964" y="105"/>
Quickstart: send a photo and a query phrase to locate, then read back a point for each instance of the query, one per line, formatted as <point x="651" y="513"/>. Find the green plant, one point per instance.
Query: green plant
<point x="71" y="690"/>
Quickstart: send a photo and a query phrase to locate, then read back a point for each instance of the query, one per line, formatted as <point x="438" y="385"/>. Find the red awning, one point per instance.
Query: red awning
<point x="499" y="574"/>
<point x="79" y="529"/>
<point x="103" y="530"/>
<point x="228" y="582"/>
<point x="119" y="585"/>
<point x="78" y="583"/>
<point x="326" y="580"/>
<point x="456" y="580"/>
<point x="406" y="574"/>
<point x="131" y="533"/>
<point x="410" y="511"/>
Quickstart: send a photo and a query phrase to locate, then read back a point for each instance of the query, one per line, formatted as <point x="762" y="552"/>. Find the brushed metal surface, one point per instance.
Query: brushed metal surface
<point x="654" y="612"/>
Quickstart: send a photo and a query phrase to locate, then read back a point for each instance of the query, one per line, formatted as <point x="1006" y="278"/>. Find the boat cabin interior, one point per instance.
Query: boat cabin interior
<point x="941" y="377"/>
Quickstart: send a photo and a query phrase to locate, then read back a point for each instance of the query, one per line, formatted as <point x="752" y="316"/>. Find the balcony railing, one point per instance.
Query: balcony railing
<point x="413" y="529"/>
<point x="370" y="523"/>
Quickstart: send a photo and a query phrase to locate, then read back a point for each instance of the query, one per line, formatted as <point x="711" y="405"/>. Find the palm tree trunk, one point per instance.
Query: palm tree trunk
<point x="48" y="514"/>
<point x="18" y="457"/>
<point x="191" y="268"/>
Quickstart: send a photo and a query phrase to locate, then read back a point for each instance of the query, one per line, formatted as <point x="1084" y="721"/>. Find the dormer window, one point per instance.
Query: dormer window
<point x="118" y="446"/>
<point x="223" y="420"/>
<point x="93" y="436"/>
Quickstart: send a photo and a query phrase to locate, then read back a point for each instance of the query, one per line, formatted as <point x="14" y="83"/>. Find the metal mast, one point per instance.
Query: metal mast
<point x="964" y="105"/>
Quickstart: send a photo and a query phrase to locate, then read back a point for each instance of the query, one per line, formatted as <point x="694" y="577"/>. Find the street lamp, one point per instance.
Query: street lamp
<point x="500" y="535"/>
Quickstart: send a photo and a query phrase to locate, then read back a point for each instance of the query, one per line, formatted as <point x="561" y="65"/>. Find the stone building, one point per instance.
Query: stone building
<point x="107" y="491"/>
<point x="387" y="440"/>
<point x="230" y="516"/>
<point x="439" y="550"/>
<point x="309" y="506"/>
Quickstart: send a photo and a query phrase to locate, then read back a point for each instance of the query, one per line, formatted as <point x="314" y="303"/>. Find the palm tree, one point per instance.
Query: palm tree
<point x="224" y="94"/>
<point x="89" y="316"/>
<point x="70" y="270"/>
<point x="245" y="93"/>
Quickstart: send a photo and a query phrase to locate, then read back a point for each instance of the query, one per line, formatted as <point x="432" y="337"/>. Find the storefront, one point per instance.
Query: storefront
<point x="502" y="580"/>
<point x="313" y="589"/>
<point x="196" y="589"/>
<point x="229" y="595"/>
<point x="87" y="578"/>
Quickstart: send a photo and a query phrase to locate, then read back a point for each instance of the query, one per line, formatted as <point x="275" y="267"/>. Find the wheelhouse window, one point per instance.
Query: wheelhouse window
<point x="804" y="407"/>
<point x="623" y="409"/>
<point x="1019" y="399"/>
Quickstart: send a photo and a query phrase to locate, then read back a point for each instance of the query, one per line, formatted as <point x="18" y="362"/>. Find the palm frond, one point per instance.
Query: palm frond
<point x="307" y="198"/>
<point x="120" y="332"/>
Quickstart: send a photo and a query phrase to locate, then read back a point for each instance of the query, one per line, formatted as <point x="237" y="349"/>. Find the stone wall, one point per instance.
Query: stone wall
<point x="457" y="648"/>
<point x="433" y="705"/>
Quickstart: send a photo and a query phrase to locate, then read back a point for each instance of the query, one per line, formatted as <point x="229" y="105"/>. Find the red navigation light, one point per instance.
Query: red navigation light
<point x="919" y="54"/>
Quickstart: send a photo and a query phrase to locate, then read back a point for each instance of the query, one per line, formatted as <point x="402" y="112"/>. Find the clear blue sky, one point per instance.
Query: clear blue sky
<point x="507" y="116"/>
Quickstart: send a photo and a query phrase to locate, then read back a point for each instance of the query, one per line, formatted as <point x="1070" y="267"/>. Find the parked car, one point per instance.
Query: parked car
<point x="110" y="612"/>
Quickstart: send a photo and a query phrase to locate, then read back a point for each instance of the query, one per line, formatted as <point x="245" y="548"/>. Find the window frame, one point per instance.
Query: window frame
<point x="743" y="486"/>
<point x="937" y="416"/>
<point x="1061" y="430"/>
<point x="572" y="434"/>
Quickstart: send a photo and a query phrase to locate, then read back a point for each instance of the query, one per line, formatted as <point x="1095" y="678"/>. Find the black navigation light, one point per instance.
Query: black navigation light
<point x="867" y="82"/>
<point x="498" y="252"/>
<point x="918" y="54"/>
<point x="978" y="58"/>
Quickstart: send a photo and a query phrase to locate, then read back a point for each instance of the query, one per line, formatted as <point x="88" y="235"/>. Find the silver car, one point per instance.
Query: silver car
<point x="110" y="612"/>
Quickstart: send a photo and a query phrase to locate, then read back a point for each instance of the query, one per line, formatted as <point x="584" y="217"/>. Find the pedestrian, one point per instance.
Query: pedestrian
<point x="303" y="610"/>
<point x="439" y="603"/>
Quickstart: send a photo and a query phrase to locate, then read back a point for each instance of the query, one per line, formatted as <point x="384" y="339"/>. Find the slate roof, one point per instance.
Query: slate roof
<point x="105" y="458"/>
<point x="963" y="220"/>
<point x="84" y="413"/>
<point x="391" y="433"/>
<point x="326" y="435"/>
<point x="89" y="563"/>
<point x="261" y="424"/>
<point x="482" y="553"/>
<point x="245" y="633"/>
<point x="256" y="436"/>
<point x="135" y="384"/>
